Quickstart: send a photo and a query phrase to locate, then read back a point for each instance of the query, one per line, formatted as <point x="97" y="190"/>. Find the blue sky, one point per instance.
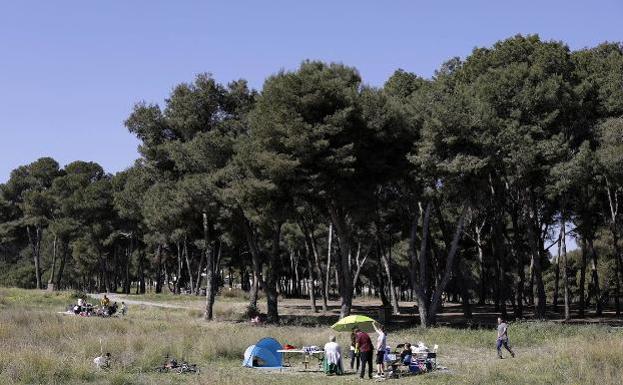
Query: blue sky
<point x="71" y="70"/>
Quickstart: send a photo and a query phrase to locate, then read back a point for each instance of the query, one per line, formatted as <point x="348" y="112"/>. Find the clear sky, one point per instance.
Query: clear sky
<point x="71" y="70"/>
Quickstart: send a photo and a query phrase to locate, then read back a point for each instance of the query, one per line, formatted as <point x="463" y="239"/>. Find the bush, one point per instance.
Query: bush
<point x="21" y="275"/>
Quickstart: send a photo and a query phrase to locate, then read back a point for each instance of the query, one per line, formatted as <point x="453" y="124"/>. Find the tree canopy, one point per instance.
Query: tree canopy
<point x="462" y="187"/>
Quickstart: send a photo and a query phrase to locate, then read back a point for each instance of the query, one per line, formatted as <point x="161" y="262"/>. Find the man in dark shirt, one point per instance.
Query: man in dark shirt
<point x="364" y="346"/>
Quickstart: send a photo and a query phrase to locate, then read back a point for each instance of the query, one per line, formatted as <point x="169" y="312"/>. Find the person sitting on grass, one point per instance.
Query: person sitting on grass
<point x="77" y="309"/>
<point x="103" y="361"/>
<point x="105" y="301"/>
<point x="503" y="338"/>
<point x="406" y="354"/>
<point x="112" y="309"/>
<point x="333" y="357"/>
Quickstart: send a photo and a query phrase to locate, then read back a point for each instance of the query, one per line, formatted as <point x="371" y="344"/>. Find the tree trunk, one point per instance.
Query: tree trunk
<point x="345" y="279"/>
<point x="128" y="256"/>
<point x="159" y="269"/>
<point x="200" y="268"/>
<point x="436" y="300"/>
<point x="35" y="244"/>
<point x="413" y="256"/>
<point x="176" y="289"/>
<point x="359" y="264"/>
<point x="422" y="301"/>
<point x="613" y="203"/>
<point x="582" y="279"/>
<point x="617" y="277"/>
<point x="210" y="269"/>
<point x="310" y="282"/>
<point x="325" y="298"/>
<point x="272" y="276"/>
<point x="312" y="246"/>
<point x="499" y="252"/>
<point x="563" y="241"/>
<point x="53" y="269"/>
<point x="460" y="270"/>
<point x="595" y="278"/>
<point x="256" y="264"/>
<point x="557" y="273"/>
<point x="481" y="261"/>
<point x="386" y="259"/>
<point x="540" y="287"/>
<point x="141" y="274"/>
<point x="188" y="266"/>
<point x="537" y="248"/>
<point x="61" y="268"/>
<point x="296" y="286"/>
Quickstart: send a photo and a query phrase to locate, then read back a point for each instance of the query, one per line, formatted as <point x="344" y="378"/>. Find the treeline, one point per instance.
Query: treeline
<point x="462" y="187"/>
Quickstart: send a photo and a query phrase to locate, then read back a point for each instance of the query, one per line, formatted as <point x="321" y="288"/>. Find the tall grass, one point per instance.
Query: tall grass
<point x="38" y="346"/>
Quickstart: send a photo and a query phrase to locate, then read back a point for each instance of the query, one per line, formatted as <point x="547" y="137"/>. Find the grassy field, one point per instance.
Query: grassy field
<point x="39" y="346"/>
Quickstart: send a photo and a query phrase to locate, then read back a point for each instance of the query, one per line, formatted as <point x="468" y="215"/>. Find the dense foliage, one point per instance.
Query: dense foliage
<point x="464" y="187"/>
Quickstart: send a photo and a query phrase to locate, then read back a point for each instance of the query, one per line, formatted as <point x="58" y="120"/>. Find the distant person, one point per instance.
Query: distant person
<point x="406" y="354"/>
<point x="105" y="301"/>
<point x="112" y="309"/>
<point x="354" y="353"/>
<point x="364" y="346"/>
<point x="80" y="307"/>
<point x="123" y="309"/>
<point x="103" y="361"/>
<point x="503" y="338"/>
<point x="333" y="357"/>
<point x="381" y="344"/>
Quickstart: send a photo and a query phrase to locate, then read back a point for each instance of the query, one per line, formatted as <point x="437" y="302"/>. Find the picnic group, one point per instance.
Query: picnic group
<point x="106" y="308"/>
<point x="370" y="357"/>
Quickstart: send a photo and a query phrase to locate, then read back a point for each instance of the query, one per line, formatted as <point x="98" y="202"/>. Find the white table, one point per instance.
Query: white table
<point x="306" y="354"/>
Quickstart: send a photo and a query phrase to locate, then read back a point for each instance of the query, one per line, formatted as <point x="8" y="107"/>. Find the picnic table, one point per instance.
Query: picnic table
<point x="306" y="354"/>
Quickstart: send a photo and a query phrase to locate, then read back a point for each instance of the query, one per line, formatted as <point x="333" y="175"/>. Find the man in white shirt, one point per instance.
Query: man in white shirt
<point x="333" y="357"/>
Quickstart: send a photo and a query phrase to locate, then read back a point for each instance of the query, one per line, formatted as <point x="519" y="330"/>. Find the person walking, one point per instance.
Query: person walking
<point x="364" y="346"/>
<point x="381" y="343"/>
<point x="503" y="338"/>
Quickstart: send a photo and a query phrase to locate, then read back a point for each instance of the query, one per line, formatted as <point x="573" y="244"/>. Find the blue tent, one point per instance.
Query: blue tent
<point x="263" y="354"/>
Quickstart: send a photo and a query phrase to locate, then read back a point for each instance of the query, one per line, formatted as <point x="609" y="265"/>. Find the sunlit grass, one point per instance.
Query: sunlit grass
<point x="40" y="346"/>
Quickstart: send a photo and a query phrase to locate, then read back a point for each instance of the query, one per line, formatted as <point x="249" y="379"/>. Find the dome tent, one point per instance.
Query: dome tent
<point x="264" y="354"/>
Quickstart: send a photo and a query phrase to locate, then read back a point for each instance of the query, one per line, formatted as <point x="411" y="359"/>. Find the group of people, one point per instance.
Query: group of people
<point x="82" y="308"/>
<point x="363" y="351"/>
<point x="106" y="309"/>
<point x="109" y="309"/>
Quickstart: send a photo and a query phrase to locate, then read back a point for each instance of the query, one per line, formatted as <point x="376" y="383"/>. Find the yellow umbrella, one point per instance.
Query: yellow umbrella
<point x="347" y="324"/>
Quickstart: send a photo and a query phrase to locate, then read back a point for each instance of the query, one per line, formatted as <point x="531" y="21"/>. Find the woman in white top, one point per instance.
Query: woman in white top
<point x="333" y="357"/>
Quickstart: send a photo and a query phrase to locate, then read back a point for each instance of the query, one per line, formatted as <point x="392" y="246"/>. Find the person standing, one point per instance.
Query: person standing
<point x="503" y="338"/>
<point x="354" y="353"/>
<point x="124" y="309"/>
<point x="364" y="346"/>
<point x="381" y="343"/>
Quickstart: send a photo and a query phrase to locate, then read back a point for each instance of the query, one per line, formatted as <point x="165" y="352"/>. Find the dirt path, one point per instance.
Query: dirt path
<point x="120" y="298"/>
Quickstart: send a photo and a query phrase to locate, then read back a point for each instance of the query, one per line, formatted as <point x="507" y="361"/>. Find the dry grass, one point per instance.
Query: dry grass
<point x="42" y="347"/>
